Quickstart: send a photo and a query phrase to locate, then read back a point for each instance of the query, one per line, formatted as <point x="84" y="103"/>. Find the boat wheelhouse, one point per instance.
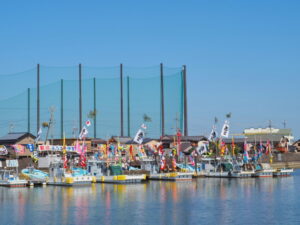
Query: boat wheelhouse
<point x="9" y="178"/>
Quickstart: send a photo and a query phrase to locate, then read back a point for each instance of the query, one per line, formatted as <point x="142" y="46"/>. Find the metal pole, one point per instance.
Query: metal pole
<point x="80" y="98"/>
<point x="128" y="107"/>
<point x="28" y="110"/>
<point x="185" y="102"/>
<point x="121" y="100"/>
<point x="162" y="100"/>
<point x="38" y="99"/>
<point x="62" y="108"/>
<point x="95" y="110"/>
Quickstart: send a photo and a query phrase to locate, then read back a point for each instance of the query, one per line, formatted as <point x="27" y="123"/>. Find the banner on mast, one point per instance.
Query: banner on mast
<point x="225" y="130"/>
<point x="139" y="137"/>
<point x="213" y="134"/>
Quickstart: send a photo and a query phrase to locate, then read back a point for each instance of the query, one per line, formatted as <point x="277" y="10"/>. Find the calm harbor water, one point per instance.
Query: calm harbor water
<point x="202" y="201"/>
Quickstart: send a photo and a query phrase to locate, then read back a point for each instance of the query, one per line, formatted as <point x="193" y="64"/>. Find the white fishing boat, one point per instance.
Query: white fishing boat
<point x="283" y="172"/>
<point x="264" y="170"/>
<point x="9" y="178"/>
<point x="223" y="169"/>
<point x="106" y="173"/>
<point x="245" y="171"/>
<point x="59" y="176"/>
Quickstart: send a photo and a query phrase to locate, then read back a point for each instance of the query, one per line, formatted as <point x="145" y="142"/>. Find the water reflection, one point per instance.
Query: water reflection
<point x="206" y="201"/>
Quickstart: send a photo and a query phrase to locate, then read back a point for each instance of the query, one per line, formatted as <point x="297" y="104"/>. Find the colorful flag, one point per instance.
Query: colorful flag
<point x="232" y="146"/>
<point x="178" y="134"/>
<point x="30" y="147"/>
<point x="268" y="147"/>
<point x="246" y="155"/>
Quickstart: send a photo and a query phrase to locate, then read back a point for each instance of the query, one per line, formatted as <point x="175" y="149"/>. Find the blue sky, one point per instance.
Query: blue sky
<point x="241" y="56"/>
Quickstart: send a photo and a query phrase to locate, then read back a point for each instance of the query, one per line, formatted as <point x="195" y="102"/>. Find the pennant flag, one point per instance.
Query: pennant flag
<point x="3" y="150"/>
<point x="30" y="147"/>
<point x="88" y="123"/>
<point x="232" y="146"/>
<point x="178" y="141"/>
<point x="213" y="134"/>
<point x="144" y="126"/>
<point x="139" y="137"/>
<point x="202" y="148"/>
<point x="223" y="148"/>
<point x="246" y="155"/>
<point x="38" y="135"/>
<point x="83" y="133"/>
<point x="268" y="148"/>
<point x="162" y="163"/>
<point x="225" y="129"/>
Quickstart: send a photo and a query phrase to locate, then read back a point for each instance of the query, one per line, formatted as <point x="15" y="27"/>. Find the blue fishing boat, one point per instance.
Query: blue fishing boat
<point x="34" y="174"/>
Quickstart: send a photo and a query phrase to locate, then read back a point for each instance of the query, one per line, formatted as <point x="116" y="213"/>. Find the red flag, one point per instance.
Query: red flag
<point x="268" y="147"/>
<point x="178" y="141"/>
<point x="65" y="162"/>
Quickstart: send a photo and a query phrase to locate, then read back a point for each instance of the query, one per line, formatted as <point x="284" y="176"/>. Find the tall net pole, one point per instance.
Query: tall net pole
<point x="80" y="98"/>
<point x="121" y="100"/>
<point x="128" y="107"/>
<point x="95" y="108"/>
<point x="38" y="100"/>
<point x="62" y="108"/>
<point x="28" y="110"/>
<point x="185" y="102"/>
<point x="162" y="100"/>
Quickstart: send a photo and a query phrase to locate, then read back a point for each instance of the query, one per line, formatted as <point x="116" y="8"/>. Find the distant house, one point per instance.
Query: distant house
<point x="17" y="138"/>
<point x="13" y="141"/>
<point x="169" y="140"/>
<point x="119" y="139"/>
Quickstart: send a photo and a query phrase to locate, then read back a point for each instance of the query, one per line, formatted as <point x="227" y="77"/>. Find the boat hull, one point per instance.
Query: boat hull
<point x="218" y="174"/>
<point x="121" y="179"/>
<point x="241" y="174"/>
<point x="12" y="184"/>
<point x="283" y="173"/>
<point x="172" y="176"/>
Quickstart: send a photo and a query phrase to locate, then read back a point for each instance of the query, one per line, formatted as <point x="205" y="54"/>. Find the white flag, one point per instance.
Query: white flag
<point x="38" y="135"/>
<point x="144" y="126"/>
<point x="83" y="133"/>
<point x="202" y="148"/>
<point x="88" y="123"/>
<point x="139" y="137"/>
<point x="213" y="134"/>
<point x="225" y="129"/>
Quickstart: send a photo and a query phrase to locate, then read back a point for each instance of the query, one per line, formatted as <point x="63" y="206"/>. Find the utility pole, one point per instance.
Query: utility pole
<point x="284" y="124"/>
<point x="52" y="110"/>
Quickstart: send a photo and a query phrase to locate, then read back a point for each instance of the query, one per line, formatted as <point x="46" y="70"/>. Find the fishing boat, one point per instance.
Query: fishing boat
<point x="174" y="176"/>
<point x="207" y="165"/>
<point x="109" y="172"/>
<point x="72" y="177"/>
<point x="223" y="169"/>
<point x="9" y="178"/>
<point x="264" y="170"/>
<point x="283" y="172"/>
<point x="245" y="171"/>
<point x="34" y="174"/>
